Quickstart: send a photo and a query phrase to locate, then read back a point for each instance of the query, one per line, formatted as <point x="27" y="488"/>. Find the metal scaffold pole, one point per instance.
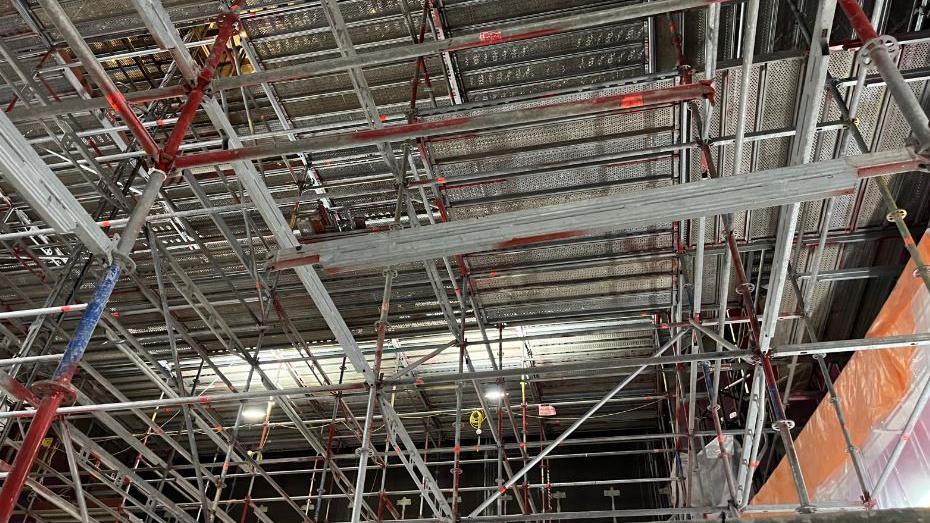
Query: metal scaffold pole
<point x="58" y="389"/>
<point x="652" y="241"/>
<point x="572" y="428"/>
<point x="880" y="52"/>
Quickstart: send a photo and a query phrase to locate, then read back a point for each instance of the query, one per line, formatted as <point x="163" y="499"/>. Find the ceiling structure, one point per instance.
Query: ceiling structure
<point x="598" y="231"/>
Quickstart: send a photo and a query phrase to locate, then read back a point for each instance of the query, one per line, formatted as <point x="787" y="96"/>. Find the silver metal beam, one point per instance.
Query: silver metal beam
<point x="412" y="460"/>
<point x="504" y="119"/>
<point x="759" y="190"/>
<point x="22" y="167"/>
<point x="828" y="347"/>
<point x="571" y="429"/>
<point x="808" y="111"/>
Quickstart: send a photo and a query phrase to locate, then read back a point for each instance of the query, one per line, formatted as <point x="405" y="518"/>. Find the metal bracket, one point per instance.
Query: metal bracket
<point x="895" y="215"/>
<point x="124" y="261"/>
<point x="886" y="41"/>
<point x="46" y="387"/>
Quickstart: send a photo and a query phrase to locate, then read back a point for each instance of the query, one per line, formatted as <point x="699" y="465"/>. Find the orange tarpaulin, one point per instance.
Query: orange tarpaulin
<point x="871" y="386"/>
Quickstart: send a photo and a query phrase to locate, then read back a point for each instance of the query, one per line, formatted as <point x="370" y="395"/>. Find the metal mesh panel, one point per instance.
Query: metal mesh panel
<point x="573" y="251"/>
<point x="94" y="19"/>
<point x="533" y="203"/>
<point x="460" y="16"/>
<point x="624" y="57"/>
<point x="870" y="101"/>
<point x="498" y="93"/>
<point x="588" y="306"/>
<point x="310" y="40"/>
<point x="617" y="271"/>
<point x="841" y="63"/>
<point x="550" y="135"/>
<point x="914" y="55"/>
<point x="558" y="350"/>
<point x="773" y="153"/>
<point x="604" y="39"/>
<point x="809" y="217"/>
<point x="895" y="130"/>
<point x="768" y="14"/>
<point x="763" y="223"/>
<point x="565" y="180"/>
<point x="872" y="212"/>
<point x="842" y="211"/>
<point x="723" y="122"/>
<point x="781" y="94"/>
<point x="570" y="290"/>
<point x="308" y="18"/>
<point x="548" y="156"/>
<point x="824" y="145"/>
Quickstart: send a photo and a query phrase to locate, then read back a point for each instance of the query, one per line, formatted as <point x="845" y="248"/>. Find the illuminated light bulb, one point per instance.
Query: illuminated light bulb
<point x="494" y="394"/>
<point x="253" y="413"/>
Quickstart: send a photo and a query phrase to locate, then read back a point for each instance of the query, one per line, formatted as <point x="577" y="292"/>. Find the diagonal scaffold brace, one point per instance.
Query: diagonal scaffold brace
<point x="57" y="390"/>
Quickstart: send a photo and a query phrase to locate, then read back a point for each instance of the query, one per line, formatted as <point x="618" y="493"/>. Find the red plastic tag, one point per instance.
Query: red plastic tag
<point x="546" y="410"/>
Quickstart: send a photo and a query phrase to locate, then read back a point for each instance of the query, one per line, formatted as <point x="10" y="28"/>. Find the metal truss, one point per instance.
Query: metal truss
<point x="215" y="172"/>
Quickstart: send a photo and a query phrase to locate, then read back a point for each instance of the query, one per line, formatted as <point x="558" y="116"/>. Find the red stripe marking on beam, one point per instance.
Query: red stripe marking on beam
<point x="527" y="240"/>
<point x="490" y="37"/>
<point x="497" y="37"/>
<point x="421" y="126"/>
<point x="633" y="100"/>
<point x="113" y="101"/>
<point x="296" y="262"/>
<point x="890" y="168"/>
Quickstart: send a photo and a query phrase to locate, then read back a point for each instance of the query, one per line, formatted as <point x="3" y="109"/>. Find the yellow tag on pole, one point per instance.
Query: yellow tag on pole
<point x="47" y="442"/>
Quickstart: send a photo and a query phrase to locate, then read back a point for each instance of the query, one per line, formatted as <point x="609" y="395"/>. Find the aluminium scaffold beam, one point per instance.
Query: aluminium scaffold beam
<point x="638" y="100"/>
<point x="226" y="398"/>
<point x="34" y="182"/>
<point x="157" y="21"/>
<point x="763" y="189"/>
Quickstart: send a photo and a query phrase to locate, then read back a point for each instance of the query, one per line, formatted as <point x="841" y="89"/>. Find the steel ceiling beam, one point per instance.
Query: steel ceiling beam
<point x="34" y="182"/>
<point x="112" y="95"/>
<point x="808" y="110"/>
<point x="267" y="208"/>
<point x="534" y="115"/>
<point x="510" y="33"/>
<point x="755" y="191"/>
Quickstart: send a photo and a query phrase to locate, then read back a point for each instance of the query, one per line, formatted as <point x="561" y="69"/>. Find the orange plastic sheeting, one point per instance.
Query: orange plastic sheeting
<point x="871" y="385"/>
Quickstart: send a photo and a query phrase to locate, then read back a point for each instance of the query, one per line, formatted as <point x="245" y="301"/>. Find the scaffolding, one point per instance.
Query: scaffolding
<point x="448" y="260"/>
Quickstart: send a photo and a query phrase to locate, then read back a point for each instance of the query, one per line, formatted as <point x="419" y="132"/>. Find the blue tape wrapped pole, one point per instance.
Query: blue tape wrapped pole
<point x="55" y="391"/>
<point x="85" y="329"/>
